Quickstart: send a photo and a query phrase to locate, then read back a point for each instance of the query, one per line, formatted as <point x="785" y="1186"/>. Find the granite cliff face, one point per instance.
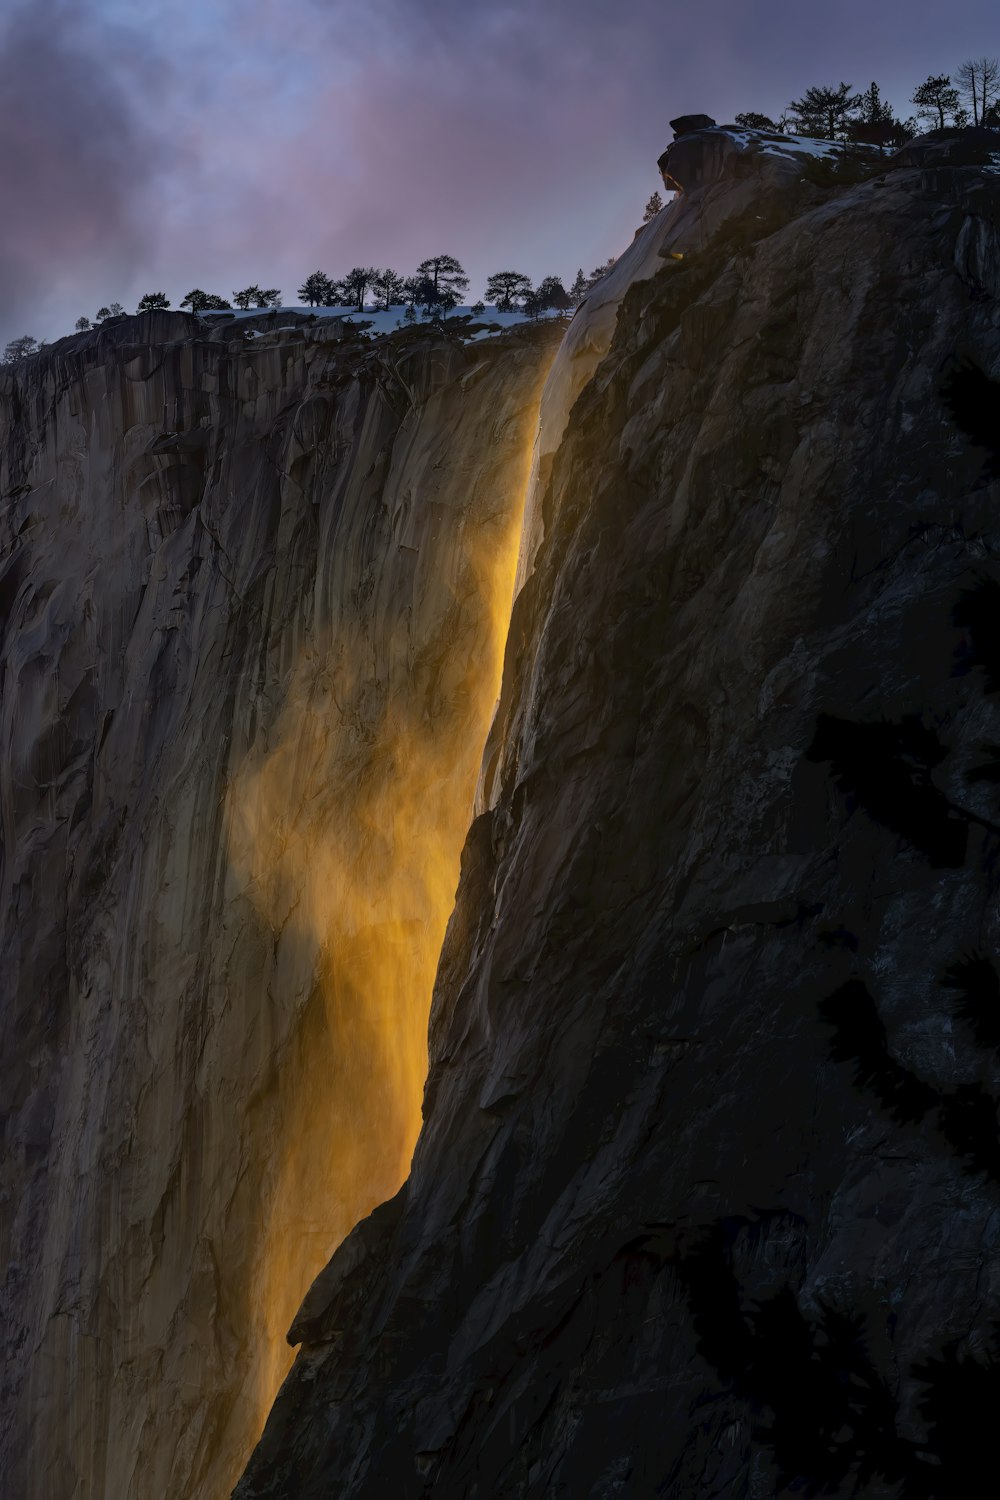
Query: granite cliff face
<point x="254" y="599"/>
<point x="707" y="1193"/>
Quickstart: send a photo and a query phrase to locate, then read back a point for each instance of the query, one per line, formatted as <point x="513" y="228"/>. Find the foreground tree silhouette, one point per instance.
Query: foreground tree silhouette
<point x="153" y="302"/>
<point x="355" y="284"/>
<point x="447" y="278"/>
<point x="978" y="81"/>
<point x="551" y="293"/>
<point x="317" y="290"/>
<point x="825" y="111"/>
<point x="411" y="290"/>
<point x="18" y="348"/>
<point x="256" y="296"/>
<point x="579" y="286"/>
<point x="507" y="288"/>
<point x="874" y="123"/>
<point x="934" y="98"/>
<point x="652" y="208"/>
<point x="389" y="288"/>
<point x="200" y="301"/>
<point x="752" y="119"/>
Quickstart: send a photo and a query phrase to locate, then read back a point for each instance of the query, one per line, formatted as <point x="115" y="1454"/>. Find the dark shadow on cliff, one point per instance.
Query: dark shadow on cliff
<point x="966" y="1115"/>
<point x="830" y="1417"/>
<point x="977" y="614"/>
<point x="977" y="983"/>
<point x="885" y="768"/>
<point x="972" y="400"/>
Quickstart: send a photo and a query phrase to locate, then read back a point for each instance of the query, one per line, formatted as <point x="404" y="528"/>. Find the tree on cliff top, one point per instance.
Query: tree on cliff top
<point x="579" y="286"/>
<point x="875" y="124"/>
<point x="825" y="111"/>
<point x="979" y="82"/>
<point x="752" y="119"/>
<point x="18" y="348"/>
<point x="935" y="98"/>
<point x="551" y="293"/>
<point x="153" y="302"/>
<point x="257" y="296"/>
<point x="82" y="324"/>
<point x="389" y="288"/>
<point x="200" y="301"/>
<point x="411" y="290"/>
<point x="446" y="275"/>
<point x="652" y="208"/>
<point x="505" y="289"/>
<point x="355" y="284"/>
<point x="316" y="289"/>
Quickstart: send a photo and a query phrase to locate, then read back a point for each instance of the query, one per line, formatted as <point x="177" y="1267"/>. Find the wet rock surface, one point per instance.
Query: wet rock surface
<point x="708" y="1190"/>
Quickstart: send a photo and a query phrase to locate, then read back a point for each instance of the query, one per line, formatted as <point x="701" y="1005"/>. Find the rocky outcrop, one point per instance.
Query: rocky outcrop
<point x="254" y="597"/>
<point x="706" y="1193"/>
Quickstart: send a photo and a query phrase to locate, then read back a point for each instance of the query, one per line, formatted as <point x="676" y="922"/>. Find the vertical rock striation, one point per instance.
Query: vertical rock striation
<point x="253" y="597"/>
<point x="709" y="1179"/>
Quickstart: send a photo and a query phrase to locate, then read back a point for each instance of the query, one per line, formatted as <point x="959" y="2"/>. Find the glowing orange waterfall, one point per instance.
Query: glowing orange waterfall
<point x="348" y="839"/>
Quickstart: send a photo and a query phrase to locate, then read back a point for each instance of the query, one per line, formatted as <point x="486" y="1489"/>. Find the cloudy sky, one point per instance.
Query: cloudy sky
<point x="163" y="144"/>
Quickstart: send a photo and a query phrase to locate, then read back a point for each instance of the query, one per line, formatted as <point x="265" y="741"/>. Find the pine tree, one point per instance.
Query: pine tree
<point x="388" y="287"/>
<point x="446" y="276"/>
<point x="751" y="119"/>
<point x="102" y="313"/>
<point x="653" y="207"/>
<point x="315" y="290"/>
<point x="200" y="301"/>
<point x="411" y="290"/>
<point x="507" y="288"/>
<point x="19" y="348"/>
<point x="579" y="287"/>
<point x="248" y="296"/>
<point x="269" y="296"/>
<point x="825" y="111"/>
<point x="552" y="293"/>
<point x="355" y="284"/>
<point x="874" y="124"/>
<point x="82" y="324"/>
<point x="153" y="302"/>
<point x="935" y="98"/>
<point x="117" y="311"/>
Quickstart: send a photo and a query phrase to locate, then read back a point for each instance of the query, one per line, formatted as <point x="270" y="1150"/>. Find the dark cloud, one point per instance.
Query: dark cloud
<point x="76" y="164"/>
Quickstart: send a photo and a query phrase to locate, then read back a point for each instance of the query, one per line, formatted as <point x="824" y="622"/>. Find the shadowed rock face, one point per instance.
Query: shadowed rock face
<point x="252" y="602"/>
<point x="708" y="1182"/>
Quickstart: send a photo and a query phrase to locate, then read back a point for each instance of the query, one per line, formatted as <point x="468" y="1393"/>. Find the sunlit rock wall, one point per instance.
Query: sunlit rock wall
<point x="254" y="597"/>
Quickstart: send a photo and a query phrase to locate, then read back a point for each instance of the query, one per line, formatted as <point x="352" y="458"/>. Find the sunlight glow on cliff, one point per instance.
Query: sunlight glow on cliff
<point x="347" y="831"/>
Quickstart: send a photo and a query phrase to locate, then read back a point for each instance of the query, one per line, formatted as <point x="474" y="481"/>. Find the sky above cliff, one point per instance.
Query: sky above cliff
<point x="163" y="144"/>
